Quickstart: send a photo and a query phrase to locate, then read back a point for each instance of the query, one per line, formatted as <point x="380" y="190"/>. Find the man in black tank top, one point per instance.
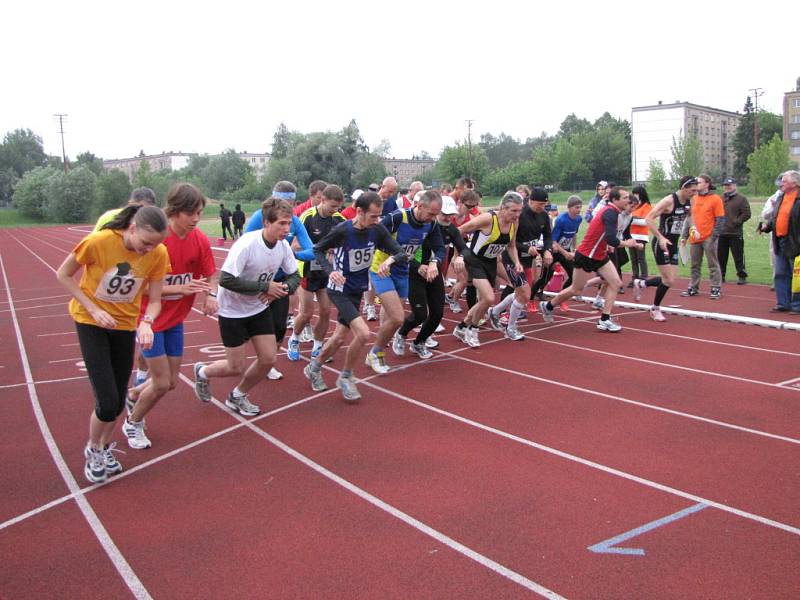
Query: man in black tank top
<point x="671" y="213"/>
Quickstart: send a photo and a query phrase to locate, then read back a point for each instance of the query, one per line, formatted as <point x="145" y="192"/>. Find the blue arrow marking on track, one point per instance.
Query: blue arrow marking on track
<point x="609" y="546"/>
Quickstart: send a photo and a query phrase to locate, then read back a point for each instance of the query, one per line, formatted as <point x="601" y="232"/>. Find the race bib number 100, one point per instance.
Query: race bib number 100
<point x="360" y="258"/>
<point x="176" y="279"/>
<point x="118" y="285"/>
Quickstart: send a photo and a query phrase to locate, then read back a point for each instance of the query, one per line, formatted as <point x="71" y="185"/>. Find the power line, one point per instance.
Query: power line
<point x="757" y="93"/>
<point x="61" y="117"/>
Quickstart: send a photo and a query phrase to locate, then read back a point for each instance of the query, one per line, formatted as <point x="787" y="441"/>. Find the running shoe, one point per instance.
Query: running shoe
<point x="431" y="342"/>
<point x="290" y="322"/>
<point x="460" y="333"/>
<point x="420" y="350"/>
<point x="547" y="315"/>
<point x="455" y="307"/>
<point x="472" y="338"/>
<point x="655" y="314"/>
<point x="307" y="335"/>
<point x="110" y="462"/>
<point x="609" y="325"/>
<point x="316" y="351"/>
<point x="202" y="389"/>
<point x="372" y="315"/>
<point x="398" y="344"/>
<point x="376" y="361"/>
<point x="242" y="405"/>
<point x="439" y="328"/>
<point x="315" y="377"/>
<point x="293" y="349"/>
<point x="349" y="389"/>
<point x="638" y="286"/>
<point x="690" y="291"/>
<point x="274" y="374"/>
<point x="599" y="303"/>
<point x="135" y="433"/>
<point x="715" y="294"/>
<point x="504" y="319"/>
<point x="494" y="320"/>
<point x="140" y="379"/>
<point x="512" y="333"/>
<point x="95" y="468"/>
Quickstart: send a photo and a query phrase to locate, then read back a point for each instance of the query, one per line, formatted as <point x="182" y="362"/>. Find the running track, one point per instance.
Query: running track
<point x="661" y="462"/>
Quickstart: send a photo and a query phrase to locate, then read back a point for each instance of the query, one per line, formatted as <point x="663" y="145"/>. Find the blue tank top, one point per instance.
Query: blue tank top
<point x="354" y="259"/>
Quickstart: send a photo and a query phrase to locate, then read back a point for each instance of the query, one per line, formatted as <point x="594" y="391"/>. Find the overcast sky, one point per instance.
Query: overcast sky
<point x="184" y="76"/>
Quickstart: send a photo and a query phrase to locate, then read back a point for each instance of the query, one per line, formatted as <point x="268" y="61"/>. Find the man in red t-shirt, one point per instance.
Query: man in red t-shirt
<point x="349" y="213"/>
<point x="314" y="197"/>
<point x="191" y="272"/>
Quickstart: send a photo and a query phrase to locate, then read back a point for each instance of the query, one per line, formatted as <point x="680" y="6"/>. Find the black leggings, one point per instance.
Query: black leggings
<point x="546" y="275"/>
<point x="108" y="356"/>
<point x="427" y="305"/>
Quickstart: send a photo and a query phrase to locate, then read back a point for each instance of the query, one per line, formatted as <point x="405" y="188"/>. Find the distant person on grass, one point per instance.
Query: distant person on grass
<point x="225" y="221"/>
<point x="238" y="219"/>
<point x="118" y="263"/>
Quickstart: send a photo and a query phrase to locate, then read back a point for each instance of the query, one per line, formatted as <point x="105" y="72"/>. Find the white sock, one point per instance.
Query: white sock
<point x="141" y="374"/>
<point x="318" y="344"/>
<point x="513" y="314"/>
<point x="295" y="337"/>
<point x="503" y="305"/>
<point x="237" y="393"/>
<point x="202" y="373"/>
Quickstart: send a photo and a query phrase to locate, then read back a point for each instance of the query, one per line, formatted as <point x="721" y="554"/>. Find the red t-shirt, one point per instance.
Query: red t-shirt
<point x="349" y="213"/>
<point x="191" y="258"/>
<point x="301" y="208"/>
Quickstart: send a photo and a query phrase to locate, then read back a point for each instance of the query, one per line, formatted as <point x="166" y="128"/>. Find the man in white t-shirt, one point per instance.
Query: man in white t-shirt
<point x="246" y="294"/>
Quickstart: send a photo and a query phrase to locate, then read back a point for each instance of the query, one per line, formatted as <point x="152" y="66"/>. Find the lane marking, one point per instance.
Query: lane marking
<point x="609" y="546"/>
<point x="112" y="551"/>
<point x="42" y="382"/>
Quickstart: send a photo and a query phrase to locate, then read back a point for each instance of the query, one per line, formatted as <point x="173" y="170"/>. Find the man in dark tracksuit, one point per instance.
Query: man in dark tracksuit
<point x="737" y="212"/>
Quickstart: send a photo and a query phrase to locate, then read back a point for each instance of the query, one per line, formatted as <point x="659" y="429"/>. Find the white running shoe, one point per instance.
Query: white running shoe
<point x="439" y="328"/>
<point x="242" y="405"/>
<point x="372" y="315"/>
<point x="656" y="315"/>
<point x="110" y="461"/>
<point x="494" y="320"/>
<point x="95" y="468"/>
<point x="307" y="335"/>
<point x="135" y="434"/>
<point x="513" y="334"/>
<point x="398" y="344"/>
<point x="274" y="374"/>
<point x="315" y="377"/>
<point x="609" y="325"/>
<point x="638" y="286"/>
<point x="202" y="389"/>
<point x="420" y="350"/>
<point x="376" y="362"/>
<point x="547" y="314"/>
<point x="472" y="337"/>
<point x="431" y="342"/>
<point x="598" y="303"/>
<point x="349" y="389"/>
<point x="460" y="333"/>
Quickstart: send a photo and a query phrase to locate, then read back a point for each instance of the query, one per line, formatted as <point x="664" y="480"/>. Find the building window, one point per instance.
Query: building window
<point x="795" y="119"/>
<point x="796" y="103"/>
<point x="796" y="150"/>
<point x="795" y="135"/>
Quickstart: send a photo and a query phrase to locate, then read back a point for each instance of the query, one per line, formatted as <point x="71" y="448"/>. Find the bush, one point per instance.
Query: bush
<point x="71" y="196"/>
<point x="30" y="195"/>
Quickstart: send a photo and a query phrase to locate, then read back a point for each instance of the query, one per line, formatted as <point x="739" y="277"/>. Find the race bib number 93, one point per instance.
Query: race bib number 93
<point x="118" y="285"/>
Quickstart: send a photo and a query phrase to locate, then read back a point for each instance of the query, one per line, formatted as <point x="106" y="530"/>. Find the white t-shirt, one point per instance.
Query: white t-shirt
<point x="252" y="260"/>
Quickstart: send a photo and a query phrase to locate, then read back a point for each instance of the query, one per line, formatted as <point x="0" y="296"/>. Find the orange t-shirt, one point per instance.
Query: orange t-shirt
<point x="782" y="220"/>
<point x="705" y="210"/>
<point x="113" y="277"/>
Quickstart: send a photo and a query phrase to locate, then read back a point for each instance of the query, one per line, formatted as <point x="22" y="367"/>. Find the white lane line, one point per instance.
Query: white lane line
<point x="118" y="560"/>
<point x="34" y="307"/>
<point x="18" y="302"/>
<point x="43" y="382"/>
<point x="51" y="334"/>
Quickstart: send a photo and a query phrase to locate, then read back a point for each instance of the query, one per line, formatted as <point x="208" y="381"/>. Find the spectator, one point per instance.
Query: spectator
<point x="639" y="231"/>
<point x="784" y="224"/>
<point x="600" y="191"/>
<point x="225" y="219"/>
<point x="706" y="220"/>
<point x="238" y="221"/>
<point x="737" y="212"/>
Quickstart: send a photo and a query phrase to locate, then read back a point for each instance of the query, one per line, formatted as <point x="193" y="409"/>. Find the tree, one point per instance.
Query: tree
<point x="30" y="195"/>
<point x="22" y="150"/>
<point x="572" y="168"/>
<point x="502" y="150"/>
<point x="383" y="149"/>
<point x="767" y="162"/>
<point x="687" y="156"/>
<point x="352" y="146"/>
<point x="113" y="189"/>
<point x="71" y="196"/>
<point x="769" y="124"/>
<point x="545" y="169"/>
<point x="369" y="169"/>
<point x="455" y="162"/>
<point x="572" y="125"/>
<point x="8" y="181"/>
<point x="657" y="179"/>
<point x="280" y="142"/>
<point x="91" y="162"/>
<point x="225" y="173"/>
<point x="143" y="177"/>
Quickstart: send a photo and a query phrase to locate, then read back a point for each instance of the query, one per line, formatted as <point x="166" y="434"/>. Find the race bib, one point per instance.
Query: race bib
<point x="118" y="285"/>
<point x="176" y="279"/>
<point x="494" y="250"/>
<point x="411" y="250"/>
<point x="360" y="258"/>
<point x="315" y="266"/>
<point x="676" y="227"/>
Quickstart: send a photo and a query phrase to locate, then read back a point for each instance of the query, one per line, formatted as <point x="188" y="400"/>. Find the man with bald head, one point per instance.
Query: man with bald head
<point x="388" y="194"/>
<point x="407" y="200"/>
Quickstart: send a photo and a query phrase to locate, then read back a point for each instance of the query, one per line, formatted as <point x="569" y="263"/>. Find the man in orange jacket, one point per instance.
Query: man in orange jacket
<point x="705" y="224"/>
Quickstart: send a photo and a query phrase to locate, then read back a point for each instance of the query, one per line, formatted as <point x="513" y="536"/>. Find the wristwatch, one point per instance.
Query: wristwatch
<point x="147" y="319"/>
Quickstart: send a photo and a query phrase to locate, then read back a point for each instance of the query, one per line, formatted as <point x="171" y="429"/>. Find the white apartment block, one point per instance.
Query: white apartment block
<point x="174" y="161"/>
<point x="654" y="127"/>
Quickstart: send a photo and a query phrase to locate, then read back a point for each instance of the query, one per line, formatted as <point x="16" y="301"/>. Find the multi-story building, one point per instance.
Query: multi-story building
<point x="173" y="161"/>
<point x="653" y="129"/>
<point x="791" y="122"/>
<point x="406" y="170"/>
<point x="169" y="161"/>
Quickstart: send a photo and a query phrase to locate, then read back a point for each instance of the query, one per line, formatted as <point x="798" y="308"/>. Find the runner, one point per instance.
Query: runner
<point x="191" y="272"/>
<point x="139" y="197"/>
<point x="672" y="212"/>
<point x="252" y="306"/>
<point x="565" y="232"/>
<point x="534" y="223"/>
<point x="468" y="204"/>
<point x="315" y="190"/>
<point x="354" y="244"/>
<point x="593" y="256"/>
<point x="410" y="227"/>
<point x="426" y="282"/>
<point x="492" y="233"/>
<point x="318" y="221"/>
<point x="118" y="262"/>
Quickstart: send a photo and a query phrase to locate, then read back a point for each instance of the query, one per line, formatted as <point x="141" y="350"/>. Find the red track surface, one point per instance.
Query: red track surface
<point x="484" y="473"/>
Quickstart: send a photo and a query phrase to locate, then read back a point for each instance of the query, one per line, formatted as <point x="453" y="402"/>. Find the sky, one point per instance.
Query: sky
<point x="180" y="76"/>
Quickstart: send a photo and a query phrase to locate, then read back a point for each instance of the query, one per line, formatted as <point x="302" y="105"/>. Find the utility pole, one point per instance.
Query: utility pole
<point x="61" y="118"/>
<point x="756" y="93"/>
<point x="469" y="145"/>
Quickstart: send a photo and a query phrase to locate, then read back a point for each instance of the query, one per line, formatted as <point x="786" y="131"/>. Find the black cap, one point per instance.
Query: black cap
<point x="538" y="195"/>
<point x="729" y="181"/>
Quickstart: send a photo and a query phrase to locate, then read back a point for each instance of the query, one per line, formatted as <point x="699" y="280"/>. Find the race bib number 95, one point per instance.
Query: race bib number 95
<point x="360" y="258"/>
<point x="118" y="285"/>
